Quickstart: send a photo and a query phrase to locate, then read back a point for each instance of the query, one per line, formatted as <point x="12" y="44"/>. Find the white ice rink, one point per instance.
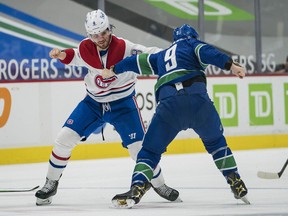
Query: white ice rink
<point x="86" y="187"/>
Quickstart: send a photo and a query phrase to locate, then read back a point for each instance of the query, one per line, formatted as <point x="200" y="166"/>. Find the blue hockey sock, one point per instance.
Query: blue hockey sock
<point x="142" y="173"/>
<point x="224" y="160"/>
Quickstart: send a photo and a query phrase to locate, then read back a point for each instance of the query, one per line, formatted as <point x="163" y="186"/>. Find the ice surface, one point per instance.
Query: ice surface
<point x="86" y="187"/>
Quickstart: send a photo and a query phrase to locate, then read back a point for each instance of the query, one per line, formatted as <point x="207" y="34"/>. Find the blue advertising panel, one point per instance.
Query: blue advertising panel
<point x="24" y="49"/>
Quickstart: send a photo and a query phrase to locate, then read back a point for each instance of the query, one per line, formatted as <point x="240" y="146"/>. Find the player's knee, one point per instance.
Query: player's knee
<point x="134" y="149"/>
<point x="67" y="139"/>
<point x="213" y="145"/>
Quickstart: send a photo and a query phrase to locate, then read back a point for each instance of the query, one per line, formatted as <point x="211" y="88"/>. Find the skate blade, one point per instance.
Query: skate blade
<point x="178" y="200"/>
<point x="41" y="202"/>
<point x="123" y="203"/>
<point x="245" y="200"/>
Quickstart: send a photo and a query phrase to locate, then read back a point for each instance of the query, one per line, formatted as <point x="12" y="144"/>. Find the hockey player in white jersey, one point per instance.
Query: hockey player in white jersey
<point x="108" y="100"/>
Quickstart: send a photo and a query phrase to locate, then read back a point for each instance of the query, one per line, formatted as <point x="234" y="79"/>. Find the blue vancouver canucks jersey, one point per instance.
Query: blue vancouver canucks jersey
<point x="181" y="108"/>
<point x="184" y="59"/>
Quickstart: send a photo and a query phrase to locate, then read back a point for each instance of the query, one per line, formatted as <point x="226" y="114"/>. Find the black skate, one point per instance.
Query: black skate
<point x="132" y="197"/>
<point x="168" y="193"/>
<point x="238" y="187"/>
<point x="45" y="194"/>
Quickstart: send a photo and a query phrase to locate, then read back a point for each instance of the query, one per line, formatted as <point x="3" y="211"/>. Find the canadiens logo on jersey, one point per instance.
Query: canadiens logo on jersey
<point x="104" y="83"/>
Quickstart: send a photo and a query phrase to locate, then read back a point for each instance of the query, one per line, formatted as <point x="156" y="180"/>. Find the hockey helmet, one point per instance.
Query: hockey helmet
<point x="96" y="22"/>
<point x="185" y="31"/>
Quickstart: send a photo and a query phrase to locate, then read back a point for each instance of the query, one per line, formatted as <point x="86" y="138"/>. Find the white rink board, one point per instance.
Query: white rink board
<point x="38" y="110"/>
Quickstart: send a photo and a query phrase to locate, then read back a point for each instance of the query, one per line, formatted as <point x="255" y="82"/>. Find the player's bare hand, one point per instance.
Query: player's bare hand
<point x="238" y="70"/>
<point x="106" y="73"/>
<point x="56" y="53"/>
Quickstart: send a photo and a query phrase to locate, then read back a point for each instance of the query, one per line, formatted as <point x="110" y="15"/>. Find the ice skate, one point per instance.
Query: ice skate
<point x="238" y="187"/>
<point x="130" y="198"/>
<point x="45" y="194"/>
<point x="168" y="193"/>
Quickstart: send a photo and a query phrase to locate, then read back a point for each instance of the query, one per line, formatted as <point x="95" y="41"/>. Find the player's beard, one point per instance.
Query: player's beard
<point x="104" y="44"/>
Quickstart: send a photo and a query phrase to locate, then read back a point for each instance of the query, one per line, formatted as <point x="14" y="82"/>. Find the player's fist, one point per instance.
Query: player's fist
<point x="238" y="70"/>
<point x="106" y="73"/>
<point x="56" y="53"/>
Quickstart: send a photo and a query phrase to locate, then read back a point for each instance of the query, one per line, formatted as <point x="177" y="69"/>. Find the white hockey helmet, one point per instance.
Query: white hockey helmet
<point x="96" y="22"/>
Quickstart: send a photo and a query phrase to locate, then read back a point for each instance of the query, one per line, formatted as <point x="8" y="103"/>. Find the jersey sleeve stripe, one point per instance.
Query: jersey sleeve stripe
<point x="143" y="64"/>
<point x="197" y="52"/>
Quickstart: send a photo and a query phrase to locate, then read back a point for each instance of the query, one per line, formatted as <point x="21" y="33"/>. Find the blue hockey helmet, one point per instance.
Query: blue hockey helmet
<point x="185" y="31"/>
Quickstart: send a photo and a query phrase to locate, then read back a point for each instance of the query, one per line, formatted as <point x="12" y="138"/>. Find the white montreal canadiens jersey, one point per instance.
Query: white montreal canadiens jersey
<point x="114" y="88"/>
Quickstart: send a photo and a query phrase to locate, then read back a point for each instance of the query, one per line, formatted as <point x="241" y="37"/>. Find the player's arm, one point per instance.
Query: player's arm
<point x="141" y="64"/>
<point x="66" y="56"/>
<point x="208" y="54"/>
<point x="71" y="56"/>
<point x="127" y="64"/>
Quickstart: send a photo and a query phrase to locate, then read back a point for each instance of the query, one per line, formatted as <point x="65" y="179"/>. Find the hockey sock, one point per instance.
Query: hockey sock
<point x="56" y="166"/>
<point x="64" y="144"/>
<point x="142" y="173"/>
<point x="158" y="179"/>
<point x="224" y="160"/>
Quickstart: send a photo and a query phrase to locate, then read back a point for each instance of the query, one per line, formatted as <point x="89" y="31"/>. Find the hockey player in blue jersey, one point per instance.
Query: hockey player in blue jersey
<point x="183" y="103"/>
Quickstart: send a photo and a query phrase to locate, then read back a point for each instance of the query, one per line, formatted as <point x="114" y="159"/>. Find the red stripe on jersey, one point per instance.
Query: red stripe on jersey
<point x="139" y="113"/>
<point x="59" y="158"/>
<point x="115" y="88"/>
<point x="89" y="53"/>
<point x="69" y="56"/>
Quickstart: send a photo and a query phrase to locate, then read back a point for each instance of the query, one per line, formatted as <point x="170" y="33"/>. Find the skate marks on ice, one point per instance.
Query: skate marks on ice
<point x="87" y="188"/>
<point x="196" y="201"/>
